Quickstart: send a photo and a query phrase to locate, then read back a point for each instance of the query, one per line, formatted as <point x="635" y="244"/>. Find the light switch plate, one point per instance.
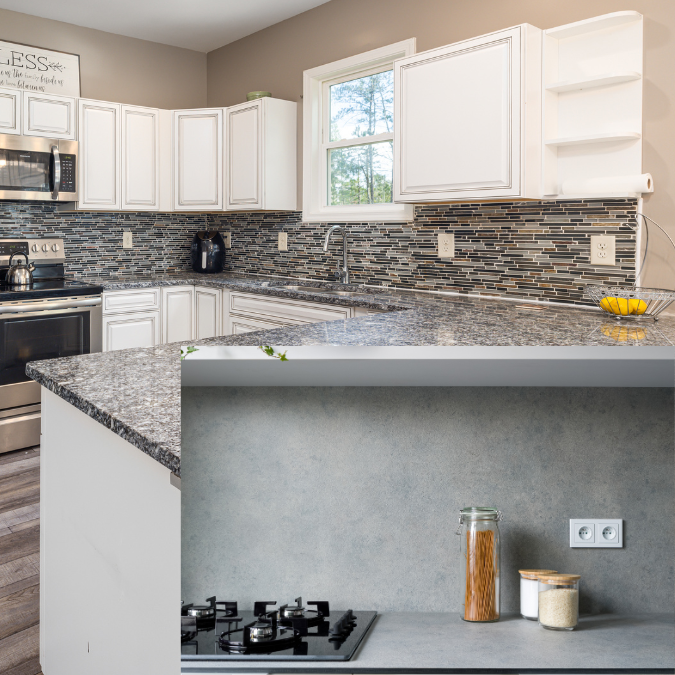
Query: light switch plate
<point x="603" y="249"/>
<point x="283" y="241"/>
<point x="446" y="245"/>
<point x="596" y="533"/>
<point x="227" y="238"/>
<point x="127" y="240"/>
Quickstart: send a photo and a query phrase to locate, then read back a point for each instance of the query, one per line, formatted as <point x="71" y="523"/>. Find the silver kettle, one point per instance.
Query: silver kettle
<point x="20" y="274"/>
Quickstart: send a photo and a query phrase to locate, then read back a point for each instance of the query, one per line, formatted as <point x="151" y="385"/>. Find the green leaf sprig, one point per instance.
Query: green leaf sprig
<point x="190" y="350"/>
<point x="275" y="355"/>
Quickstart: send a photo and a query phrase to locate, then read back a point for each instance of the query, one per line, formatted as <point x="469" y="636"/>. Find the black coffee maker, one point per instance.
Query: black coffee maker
<point x="207" y="252"/>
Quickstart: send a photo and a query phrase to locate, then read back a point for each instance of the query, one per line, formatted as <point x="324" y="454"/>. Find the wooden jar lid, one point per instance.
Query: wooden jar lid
<point x="560" y="579"/>
<point x="534" y="574"/>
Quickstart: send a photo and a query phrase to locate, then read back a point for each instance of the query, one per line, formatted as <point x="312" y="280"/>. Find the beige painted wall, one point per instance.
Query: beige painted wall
<point x="117" y="68"/>
<point x="274" y="59"/>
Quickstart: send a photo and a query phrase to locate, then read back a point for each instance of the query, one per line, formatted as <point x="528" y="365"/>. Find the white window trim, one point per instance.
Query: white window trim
<point x="314" y="184"/>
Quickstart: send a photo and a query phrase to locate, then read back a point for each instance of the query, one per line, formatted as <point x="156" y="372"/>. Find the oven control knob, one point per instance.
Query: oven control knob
<point x="55" y="247"/>
<point x="34" y="248"/>
<point x="45" y="248"/>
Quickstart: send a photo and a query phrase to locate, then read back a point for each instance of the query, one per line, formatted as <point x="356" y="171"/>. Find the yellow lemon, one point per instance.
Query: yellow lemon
<point x="637" y="306"/>
<point x="615" y="305"/>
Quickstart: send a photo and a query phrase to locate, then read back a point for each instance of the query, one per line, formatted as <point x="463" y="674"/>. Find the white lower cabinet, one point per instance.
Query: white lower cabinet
<point x="208" y="312"/>
<point x="146" y="317"/>
<point x="247" y="312"/>
<point x="178" y="315"/>
<point x="124" y="331"/>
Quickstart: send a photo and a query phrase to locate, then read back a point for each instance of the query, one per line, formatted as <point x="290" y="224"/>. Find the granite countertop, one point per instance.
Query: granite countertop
<point x="136" y="392"/>
<point x="403" y="642"/>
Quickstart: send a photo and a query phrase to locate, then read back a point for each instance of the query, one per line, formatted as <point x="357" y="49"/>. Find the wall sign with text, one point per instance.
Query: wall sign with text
<point x="39" y="70"/>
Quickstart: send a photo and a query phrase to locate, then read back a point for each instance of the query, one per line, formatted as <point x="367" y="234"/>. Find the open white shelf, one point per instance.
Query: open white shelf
<point x="593" y="25"/>
<point x="593" y="82"/>
<point x="595" y="138"/>
<point x="592" y="101"/>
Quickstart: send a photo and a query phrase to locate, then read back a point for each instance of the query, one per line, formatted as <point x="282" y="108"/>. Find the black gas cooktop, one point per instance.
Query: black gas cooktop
<point x="218" y="631"/>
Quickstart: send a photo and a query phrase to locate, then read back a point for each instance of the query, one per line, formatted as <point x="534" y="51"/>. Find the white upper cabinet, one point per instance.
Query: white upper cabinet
<point x="468" y="119"/>
<point x="140" y="158"/>
<point x="592" y="107"/>
<point x="49" y="115"/>
<point x="10" y="111"/>
<point x="198" y="160"/>
<point x="261" y="150"/>
<point x="99" y="155"/>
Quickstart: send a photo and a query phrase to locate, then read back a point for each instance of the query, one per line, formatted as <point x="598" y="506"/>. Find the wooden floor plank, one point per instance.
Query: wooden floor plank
<point x="19" y="648"/>
<point x="19" y="544"/>
<point x="18" y="569"/>
<point x="25" y="526"/>
<point x="18" y="455"/>
<point x="19" y="611"/>
<point x="20" y="490"/>
<point x="20" y="466"/>
<point x="20" y="515"/>
<point x="19" y="585"/>
<point x="31" y="667"/>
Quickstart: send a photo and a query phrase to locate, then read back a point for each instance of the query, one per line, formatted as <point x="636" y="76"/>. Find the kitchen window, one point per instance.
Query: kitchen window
<point x="349" y="138"/>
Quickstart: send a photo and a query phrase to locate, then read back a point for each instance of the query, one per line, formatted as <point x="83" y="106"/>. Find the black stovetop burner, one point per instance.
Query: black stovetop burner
<point x="215" y="632"/>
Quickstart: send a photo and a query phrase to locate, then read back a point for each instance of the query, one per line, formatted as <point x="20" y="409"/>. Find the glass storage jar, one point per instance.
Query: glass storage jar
<point x="529" y="592"/>
<point x="559" y="601"/>
<point x="479" y="580"/>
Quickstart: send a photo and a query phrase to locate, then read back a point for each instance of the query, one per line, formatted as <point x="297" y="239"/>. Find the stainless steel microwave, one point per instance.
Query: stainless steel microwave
<point x="38" y="169"/>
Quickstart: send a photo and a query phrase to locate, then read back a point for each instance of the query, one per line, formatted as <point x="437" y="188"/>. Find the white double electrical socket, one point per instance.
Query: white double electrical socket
<point x="596" y="533"/>
<point x="127" y="240"/>
<point x="283" y="241"/>
<point x="603" y="250"/>
<point x="446" y="245"/>
<point x="227" y="238"/>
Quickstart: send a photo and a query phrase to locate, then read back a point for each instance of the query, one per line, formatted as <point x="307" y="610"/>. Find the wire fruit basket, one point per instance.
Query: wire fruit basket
<point x="633" y="302"/>
<point x="630" y="303"/>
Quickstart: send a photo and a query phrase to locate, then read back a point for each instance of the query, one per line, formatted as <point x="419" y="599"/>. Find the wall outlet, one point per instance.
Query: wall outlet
<point x="446" y="245"/>
<point x="283" y="241"/>
<point x="603" y="249"/>
<point x="596" y="533"/>
<point x="127" y="240"/>
<point x="227" y="238"/>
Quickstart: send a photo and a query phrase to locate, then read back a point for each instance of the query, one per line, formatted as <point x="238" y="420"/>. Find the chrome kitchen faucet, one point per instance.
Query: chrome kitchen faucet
<point x="341" y="274"/>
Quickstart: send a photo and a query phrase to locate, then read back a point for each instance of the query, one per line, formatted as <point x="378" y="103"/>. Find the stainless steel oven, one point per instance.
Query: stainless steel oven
<point x="31" y="330"/>
<point x="38" y="169"/>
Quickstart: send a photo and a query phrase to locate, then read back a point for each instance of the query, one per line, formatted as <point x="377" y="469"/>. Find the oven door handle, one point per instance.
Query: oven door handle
<point x="57" y="171"/>
<point x="50" y="305"/>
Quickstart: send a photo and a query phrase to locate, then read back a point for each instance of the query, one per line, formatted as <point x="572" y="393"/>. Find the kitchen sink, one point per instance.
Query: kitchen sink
<point x="315" y="289"/>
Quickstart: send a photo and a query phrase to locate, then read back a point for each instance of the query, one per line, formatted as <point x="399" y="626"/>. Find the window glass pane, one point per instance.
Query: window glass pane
<point x="361" y="174"/>
<point x="362" y="107"/>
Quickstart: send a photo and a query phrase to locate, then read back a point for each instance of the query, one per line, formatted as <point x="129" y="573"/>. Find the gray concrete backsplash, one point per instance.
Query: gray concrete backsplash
<point x="352" y="494"/>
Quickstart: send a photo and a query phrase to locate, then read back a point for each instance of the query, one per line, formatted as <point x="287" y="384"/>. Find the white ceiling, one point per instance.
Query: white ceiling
<point x="201" y="25"/>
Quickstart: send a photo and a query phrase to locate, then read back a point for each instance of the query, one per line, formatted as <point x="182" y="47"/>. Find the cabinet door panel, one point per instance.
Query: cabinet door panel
<point x="140" y="158"/>
<point x="245" y="324"/>
<point x="244" y="163"/>
<point x="126" y="331"/>
<point x="10" y="111"/>
<point x="48" y="115"/>
<point x="207" y="312"/>
<point x="178" y="314"/>
<point x="465" y="139"/>
<point x="99" y="155"/>
<point x="198" y="162"/>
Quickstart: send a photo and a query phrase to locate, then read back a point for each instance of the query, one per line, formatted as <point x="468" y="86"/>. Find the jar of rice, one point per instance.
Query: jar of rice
<point x="559" y="601"/>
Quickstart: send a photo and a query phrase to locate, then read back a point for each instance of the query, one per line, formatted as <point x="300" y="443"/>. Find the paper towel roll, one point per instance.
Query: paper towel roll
<point x="612" y="185"/>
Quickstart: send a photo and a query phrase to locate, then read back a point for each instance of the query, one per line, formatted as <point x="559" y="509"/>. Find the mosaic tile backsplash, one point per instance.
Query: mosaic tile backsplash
<point x="534" y="249"/>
